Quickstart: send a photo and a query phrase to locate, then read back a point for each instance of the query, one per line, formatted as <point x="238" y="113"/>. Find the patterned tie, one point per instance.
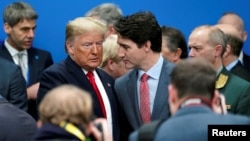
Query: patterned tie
<point x="90" y="75"/>
<point x="144" y="99"/>
<point x="22" y="64"/>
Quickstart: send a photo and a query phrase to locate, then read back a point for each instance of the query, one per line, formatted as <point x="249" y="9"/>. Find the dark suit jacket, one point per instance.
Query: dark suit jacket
<point x="126" y="90"/>
<point x="68" y="72"/>
<point x="190" y="123"/>
<point x="246" y="61"/>
<point x="240" y="71"/>
<point x="12" y="84"/>
<point x="15" y="124"/>
<point x="237" y="93"/>
<point x="38" y="61"/>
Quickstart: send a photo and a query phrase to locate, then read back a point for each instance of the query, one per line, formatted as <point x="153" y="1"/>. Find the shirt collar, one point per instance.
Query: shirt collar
<point x="153" y="72"/>
<point x="231" y="65"/>
<point x="219" y="70"/>
<point x="12" y="50"/>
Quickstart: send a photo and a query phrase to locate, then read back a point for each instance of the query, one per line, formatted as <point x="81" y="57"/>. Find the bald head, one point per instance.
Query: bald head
<point x="234" y="20"/>
<point x="229" y="29"/>
<point x="234" y="40"/>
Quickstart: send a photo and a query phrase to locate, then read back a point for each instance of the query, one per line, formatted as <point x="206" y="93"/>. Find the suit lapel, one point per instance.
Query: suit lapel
<point x="161" y="97"/>
<point x="32" y="65"/>
<point x="133" y="99"/>
<point x="237" y="68"/>
<point x="106" y="84"/>
<point x="79" y="76"/>
<point x="4" y="53"/>
<point x="81" y="80"/>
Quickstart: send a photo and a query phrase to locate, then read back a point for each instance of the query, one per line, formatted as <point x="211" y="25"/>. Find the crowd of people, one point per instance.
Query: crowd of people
<point x="121" y="72"/>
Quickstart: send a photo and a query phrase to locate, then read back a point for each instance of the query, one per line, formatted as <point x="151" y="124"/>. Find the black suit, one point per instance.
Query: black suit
<point x="12" y="84"/>
<point x="68" y="72"/>
<point x="246" y="62"/>
<point x="240" y="71"/>
<point x="38" y="61"/>
<point x="15" y="124"/>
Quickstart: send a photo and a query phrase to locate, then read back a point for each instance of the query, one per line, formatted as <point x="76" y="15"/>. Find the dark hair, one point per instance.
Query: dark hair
<point x="18" y="11"/>
<point x="194" y="77"/>
<point x="235" y="43"/>
<point x="175" y="39"/>
<point x="141" y="27"/>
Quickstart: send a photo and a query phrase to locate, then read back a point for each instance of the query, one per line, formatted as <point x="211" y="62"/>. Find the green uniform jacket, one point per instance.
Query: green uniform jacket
<point x="236" y="91"/>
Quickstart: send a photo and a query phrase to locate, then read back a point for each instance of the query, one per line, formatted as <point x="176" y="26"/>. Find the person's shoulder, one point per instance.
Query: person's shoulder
<point x="167" y="66"/>
<point x="237" y="118"/>
<point x="7" y="63"/>
<point x="236" y="80"/>
<point x="126" y="76"/>
<point x="38" y="50"/>
<point x="134" y="135"/>
<point x="13" y="110"/>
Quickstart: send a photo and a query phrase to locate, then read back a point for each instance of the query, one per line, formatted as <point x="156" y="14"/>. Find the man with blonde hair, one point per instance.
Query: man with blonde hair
<point x="66" y="113"/>
<point x="111" y="62"/>
<point x="84" y="38"/>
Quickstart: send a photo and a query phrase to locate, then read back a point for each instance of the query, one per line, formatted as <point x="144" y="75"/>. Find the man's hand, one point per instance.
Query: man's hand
<point x="32" y="91"/>
<point x="104" y="135"/>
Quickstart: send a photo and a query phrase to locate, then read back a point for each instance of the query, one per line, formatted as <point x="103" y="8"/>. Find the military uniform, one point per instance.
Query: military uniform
<point x="236" y="91"/>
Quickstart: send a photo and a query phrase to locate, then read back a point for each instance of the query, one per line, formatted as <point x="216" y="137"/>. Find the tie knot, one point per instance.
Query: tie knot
<point x="20" y="54"/>
<point x="90" y="74"/>
<point x="144" y="77"/>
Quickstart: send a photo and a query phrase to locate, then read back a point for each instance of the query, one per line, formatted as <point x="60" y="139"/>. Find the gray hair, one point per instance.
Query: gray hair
<point x="107" y="12"/>
<point x="215" y="36"/>
<point x="18" y="11"/>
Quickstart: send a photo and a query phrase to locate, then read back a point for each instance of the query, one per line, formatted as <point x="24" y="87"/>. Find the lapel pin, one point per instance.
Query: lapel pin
<point x="109" y="85"/>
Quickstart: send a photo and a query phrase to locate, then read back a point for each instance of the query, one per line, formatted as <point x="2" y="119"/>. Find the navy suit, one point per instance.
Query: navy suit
<point x="240" y="71"/>
<point x="190" y="123"/>
<point x="12" y="84"/>
<point x="15" y="124"/>
<point x="38" y="61"/>
<point x="246" y="61"/>
<point x="126" y="90"/>
<point x="68" y="72"/>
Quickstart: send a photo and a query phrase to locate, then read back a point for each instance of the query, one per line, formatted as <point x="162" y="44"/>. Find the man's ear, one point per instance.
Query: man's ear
<point x="227" y="51"/>
<point x="244" y="36"/>
<point x="70" y="48"/>
<point x="147" y="46"/>
<point x="172" y="93"/>
<point x="7" y="28"/>
<point x="110" y="64"/>
<point x="177" y="54"/>
<point x="173" y="99"/>
<point x="218" y="50"/>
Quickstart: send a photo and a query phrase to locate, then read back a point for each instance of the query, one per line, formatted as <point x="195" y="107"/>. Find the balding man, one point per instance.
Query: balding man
<point x="235" y="20"/>
<point x="209" y="42"/>
<point x="233" y="49"/>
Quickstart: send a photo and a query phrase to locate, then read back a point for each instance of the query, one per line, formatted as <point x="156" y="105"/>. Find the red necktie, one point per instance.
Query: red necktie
<point x="90" y="75"/>
<point x="144" y="99"/>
